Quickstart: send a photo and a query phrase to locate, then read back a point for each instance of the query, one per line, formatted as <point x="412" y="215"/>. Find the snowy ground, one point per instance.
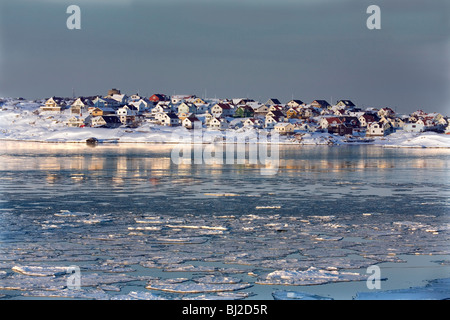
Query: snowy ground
<point x="21" y="121"/>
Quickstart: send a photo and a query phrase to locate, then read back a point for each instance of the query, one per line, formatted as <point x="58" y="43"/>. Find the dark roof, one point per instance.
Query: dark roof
<point x="321" y="103"/>
<point x="192" y="118"/>
<point x="111" y="119"/>
<point x="224" y="105"/>
<point x="172" y="115"/>
<point x="348" y="103"/>
<point x="274" y="101"/>
<point x="277" y="113"/>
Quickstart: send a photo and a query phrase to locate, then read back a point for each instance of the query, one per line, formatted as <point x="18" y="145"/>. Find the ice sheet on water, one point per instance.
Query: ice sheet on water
<point x="189" y="268"/>
<point x="213" y="279"/>
<point x="343" y="263"/>
<point x="291" y="263"/>
<point x="26" y="283"/>
<point x="181" y="240"/>
<point x="438" y="289"/>
<point x="324" y="237"/>
<point x="40" y="271"/>
<point x="95" y="280"/>
<point x="297" y="295"/>
<point x="94" y="294"/>
<point x="106" y="268"/>
<point x="221" y="296"/>
<point x="194" y="287"/>
<point x="311" y="276"/>
<point x="138" y="295"/>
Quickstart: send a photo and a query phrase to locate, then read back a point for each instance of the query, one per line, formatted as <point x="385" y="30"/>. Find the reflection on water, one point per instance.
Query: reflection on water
<point x="120" y="205"/>
<point x="305" y="172"/>
<point x="18" y="156"/>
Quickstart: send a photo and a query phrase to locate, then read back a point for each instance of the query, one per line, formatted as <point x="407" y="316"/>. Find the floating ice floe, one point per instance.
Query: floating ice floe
<point x="181" y="240"/>
<point x="153" y="228"/>
<point x="94" y="294"/>
<point x="308" y="277"/>
<point x="217" y="279"/>
<point x="197" y="227"/>
<point x="40" y="271"/>
<point x="324" y="237"/>
<point x="297" y="295"/>
<point x="222" y="194"/>
<point x="194" y="287"/>
<point x="27" y="283"/>
<point x="221" y="296"/>
<point x="190" y="268"/>
<point x="138" y="295"/>
<point x="438" y="289"/>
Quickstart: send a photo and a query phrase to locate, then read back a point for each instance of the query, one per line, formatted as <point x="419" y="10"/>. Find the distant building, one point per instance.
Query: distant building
<point x="53" y="104"/>
<point x="345" y="104"/>
<point x="413" y="127"/>
<point x="272" y="101"/>
<point x="322" y="104"/>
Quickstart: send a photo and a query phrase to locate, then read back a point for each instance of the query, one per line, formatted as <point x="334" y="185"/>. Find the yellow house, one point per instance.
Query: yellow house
<point x="198" y="101"/>
<point x="292" y="113"/>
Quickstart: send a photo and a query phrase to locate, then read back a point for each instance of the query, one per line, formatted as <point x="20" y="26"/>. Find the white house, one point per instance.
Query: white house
<point x="365" y="119"/>
<point x="295" y="103"/>
<point x="127" y="114"/>
<point x="413" y="127"/>
<point x="77" y="121"/>
<point x="202" y="108"/>
<point x="80" y="105"/>
<point x="53" y="104"/>
<point x="191" y="122"/>
<point x="187" y="108"/>
<point x="176" y="99"/>
<point x="127" y="111"/>
<point x="271" y="121"/>
<point x="222" y="110"/>
<point x="253" y="122"/>
<point x="284" y="128"/>
<point x="108" y="121"/>
<point x="218" y="123"/>
<point x="121" y="99"/>
<point x="159" y="109"/>
<point x="141" y="105"/>
<point x="326" y="122"/>
<point x="170" y="120"/>
<point x="377" y="129"/>
<point x="261" y="110"/>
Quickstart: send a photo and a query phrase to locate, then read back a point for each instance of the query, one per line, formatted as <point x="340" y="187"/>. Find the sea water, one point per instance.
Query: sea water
<point x="139" y="226"/>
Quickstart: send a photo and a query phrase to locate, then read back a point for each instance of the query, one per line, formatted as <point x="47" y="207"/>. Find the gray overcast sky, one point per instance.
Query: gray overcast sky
<point x="310" y="49"/>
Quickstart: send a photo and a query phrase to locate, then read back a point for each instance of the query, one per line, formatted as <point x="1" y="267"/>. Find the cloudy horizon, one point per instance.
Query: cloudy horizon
<point x="230" y="49"/>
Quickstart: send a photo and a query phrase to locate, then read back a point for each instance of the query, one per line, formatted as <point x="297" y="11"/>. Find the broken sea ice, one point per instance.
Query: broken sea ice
<point x="311" y="276"/>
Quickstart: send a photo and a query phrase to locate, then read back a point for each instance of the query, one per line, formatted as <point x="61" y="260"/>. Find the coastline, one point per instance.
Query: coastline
<point x="174" y="143"/>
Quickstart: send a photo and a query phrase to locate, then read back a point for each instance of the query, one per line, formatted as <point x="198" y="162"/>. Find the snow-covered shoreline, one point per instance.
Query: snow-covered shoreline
<point x="21" y="122"/>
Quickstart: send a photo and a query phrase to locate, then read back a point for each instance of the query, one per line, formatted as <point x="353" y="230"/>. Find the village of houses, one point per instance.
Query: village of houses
<point x="293" y="118"/>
